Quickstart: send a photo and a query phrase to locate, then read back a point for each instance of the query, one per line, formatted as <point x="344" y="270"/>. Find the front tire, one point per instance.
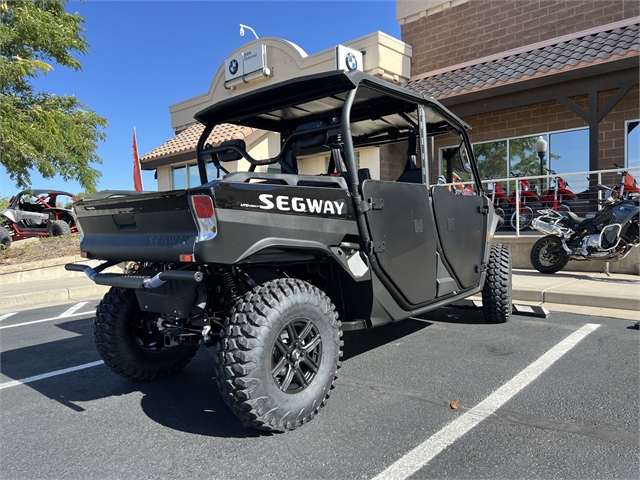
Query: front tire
<point x="58" y="228"/>
<point x="545" y="261"/>
<point x="279" y="357"/>
<point x="496" y="293"/>
<point x="128" y="341"/>
<point x="5" y="238"/>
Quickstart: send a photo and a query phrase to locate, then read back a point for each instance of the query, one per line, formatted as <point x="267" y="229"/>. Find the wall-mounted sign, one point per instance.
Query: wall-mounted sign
<point x="245" y="62"/>
<point x="348" y="59"/>
<point x="233" y="67"/>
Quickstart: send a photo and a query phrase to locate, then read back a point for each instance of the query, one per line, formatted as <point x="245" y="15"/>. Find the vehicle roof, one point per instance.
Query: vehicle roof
<point x="284" y="106"/>
<point x="40" y="191"/>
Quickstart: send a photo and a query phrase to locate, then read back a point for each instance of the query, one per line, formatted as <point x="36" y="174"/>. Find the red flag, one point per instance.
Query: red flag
<point x="137" y="173"/>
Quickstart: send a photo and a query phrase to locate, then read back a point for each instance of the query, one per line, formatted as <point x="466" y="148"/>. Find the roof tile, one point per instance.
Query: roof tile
<point x="186" y="140"/>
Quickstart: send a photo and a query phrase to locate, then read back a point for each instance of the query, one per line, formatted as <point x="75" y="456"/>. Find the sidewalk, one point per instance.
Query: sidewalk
<point x="618" y="295"/>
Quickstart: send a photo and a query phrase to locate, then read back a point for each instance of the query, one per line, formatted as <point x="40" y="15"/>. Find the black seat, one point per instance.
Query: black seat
<point x="411" y="175"/>
<point x="575" y="218"/>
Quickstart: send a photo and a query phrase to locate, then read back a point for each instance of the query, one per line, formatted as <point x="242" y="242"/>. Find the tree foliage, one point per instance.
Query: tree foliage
<point x="38" y="130"/>
<point x="492" y="158"/>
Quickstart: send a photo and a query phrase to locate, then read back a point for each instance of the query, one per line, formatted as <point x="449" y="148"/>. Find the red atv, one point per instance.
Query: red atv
<point x="37" y="213"/>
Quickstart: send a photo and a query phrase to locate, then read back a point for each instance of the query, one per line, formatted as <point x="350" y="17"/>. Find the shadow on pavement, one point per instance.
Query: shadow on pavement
<point x="467" y="316"/>
<point x="361" y="341"/>
<point x="189" y="401"/>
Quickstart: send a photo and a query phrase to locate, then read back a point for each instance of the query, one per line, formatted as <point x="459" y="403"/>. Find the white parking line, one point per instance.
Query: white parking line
<point x="426" y="451"/>
<point x="44" y="320"/>
<point x="24" y="381"/>
<point x="6" y="315"/>
<point x="73" y="309"/>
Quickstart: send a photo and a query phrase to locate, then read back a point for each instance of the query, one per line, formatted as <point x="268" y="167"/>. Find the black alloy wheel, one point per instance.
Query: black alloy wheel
<point x="548" y="255"/>
<point x="296" y="357"/>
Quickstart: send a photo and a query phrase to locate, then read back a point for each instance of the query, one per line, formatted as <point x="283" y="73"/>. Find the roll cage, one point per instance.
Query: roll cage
<point x="337" y="109"/>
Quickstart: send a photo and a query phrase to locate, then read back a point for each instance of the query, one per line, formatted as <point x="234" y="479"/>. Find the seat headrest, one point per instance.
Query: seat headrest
<point x="314" y="140"/>
<point x="231" y="155"/>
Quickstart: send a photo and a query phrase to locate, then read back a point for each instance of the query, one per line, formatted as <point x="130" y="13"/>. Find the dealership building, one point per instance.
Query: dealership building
<point x="566" y="71"/>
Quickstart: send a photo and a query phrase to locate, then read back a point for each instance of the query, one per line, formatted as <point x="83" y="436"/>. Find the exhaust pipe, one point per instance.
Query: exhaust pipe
<point x="545" y="227"/>
<point x="126" y="281"/>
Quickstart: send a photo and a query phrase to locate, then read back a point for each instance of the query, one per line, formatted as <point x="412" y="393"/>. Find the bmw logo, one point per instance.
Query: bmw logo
<point x="352" y="63"/>
<point x="233" y="66"/>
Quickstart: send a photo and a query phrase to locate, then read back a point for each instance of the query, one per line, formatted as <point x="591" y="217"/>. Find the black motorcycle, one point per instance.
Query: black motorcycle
<point x="608" y="235"/>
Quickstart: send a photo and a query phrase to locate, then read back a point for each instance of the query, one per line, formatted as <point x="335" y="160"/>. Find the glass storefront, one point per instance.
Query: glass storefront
<point x="567" y="151"/>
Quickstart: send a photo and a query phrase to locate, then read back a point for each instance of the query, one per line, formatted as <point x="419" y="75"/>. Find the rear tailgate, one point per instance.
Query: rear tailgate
<point x="150" y="227"/>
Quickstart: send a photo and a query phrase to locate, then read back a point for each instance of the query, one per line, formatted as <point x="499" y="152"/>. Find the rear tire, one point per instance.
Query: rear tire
<point x="58" y="228"/>
<point x="496" y="293"/>
<point x="546" y="262"/>
<point x="128" y="341"/>
<point x="5" y="238"/>
<point x="279" y="355"/>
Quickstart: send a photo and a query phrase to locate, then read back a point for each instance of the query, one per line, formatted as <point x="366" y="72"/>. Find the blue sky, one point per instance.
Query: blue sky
<point x="147" y="55"/>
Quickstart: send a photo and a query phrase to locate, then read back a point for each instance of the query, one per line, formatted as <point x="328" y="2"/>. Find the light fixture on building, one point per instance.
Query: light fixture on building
<point x="541" y="149"/>
<point x="242" y="27"/>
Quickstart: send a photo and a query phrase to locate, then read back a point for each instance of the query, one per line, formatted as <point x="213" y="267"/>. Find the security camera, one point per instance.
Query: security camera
<point x="242" y="27"/>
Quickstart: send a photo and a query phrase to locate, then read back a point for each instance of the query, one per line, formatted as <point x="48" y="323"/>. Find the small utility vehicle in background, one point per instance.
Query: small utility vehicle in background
<point x="270" y="268"/>
<point x="37" y="213"/>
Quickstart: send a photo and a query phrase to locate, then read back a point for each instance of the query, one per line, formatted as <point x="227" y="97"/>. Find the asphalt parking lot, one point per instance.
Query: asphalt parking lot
<point x="553" y="397"/>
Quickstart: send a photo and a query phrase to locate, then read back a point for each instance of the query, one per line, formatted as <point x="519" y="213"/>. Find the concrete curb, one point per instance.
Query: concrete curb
<point x="57" y="295"/>
<point x="26" y="285"/>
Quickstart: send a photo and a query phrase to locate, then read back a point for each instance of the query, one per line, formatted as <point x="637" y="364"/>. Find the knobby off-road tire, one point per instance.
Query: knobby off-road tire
<point x="58" y="228"/>
<point x="279" y="356"/>
<point x="5" y="238"/>
<point x="496" y="293"/>
<point x="129" y="342"/>
<point x="544" y="261"/>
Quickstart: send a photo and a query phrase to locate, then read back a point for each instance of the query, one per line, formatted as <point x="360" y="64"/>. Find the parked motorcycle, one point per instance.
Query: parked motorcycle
<point x="558" y="197"/>
<point x="499" y="199"/>
<point x="628" y="185"/>
<point x="609" y="235"/>
<point x="528" y="198"/>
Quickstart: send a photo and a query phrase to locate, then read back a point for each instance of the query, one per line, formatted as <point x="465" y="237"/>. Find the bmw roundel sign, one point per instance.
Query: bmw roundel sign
<point x="233" y="66"/>
<point x="351" y="61"/>
<point x="348" y="59"/>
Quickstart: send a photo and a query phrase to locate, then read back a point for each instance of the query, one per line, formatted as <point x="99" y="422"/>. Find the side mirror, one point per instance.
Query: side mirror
<point x="464" y="157"/>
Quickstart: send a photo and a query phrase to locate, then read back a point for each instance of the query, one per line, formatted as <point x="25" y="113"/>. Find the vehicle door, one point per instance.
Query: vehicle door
<point x="461" y="217"/>
<point x="402" y="229"/>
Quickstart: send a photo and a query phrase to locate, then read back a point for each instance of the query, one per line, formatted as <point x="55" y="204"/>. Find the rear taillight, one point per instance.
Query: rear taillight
<point x="204" y="216"/>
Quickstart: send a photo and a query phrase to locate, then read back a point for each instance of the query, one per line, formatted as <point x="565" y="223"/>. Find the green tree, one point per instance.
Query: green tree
<point x="41" y="131"/>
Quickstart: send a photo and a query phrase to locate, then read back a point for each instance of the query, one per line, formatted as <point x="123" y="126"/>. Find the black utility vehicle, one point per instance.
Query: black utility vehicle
<point x="270" y="268"/>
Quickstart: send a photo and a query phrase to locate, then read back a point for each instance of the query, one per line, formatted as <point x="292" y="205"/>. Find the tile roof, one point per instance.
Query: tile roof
<point x="562" y="54"/>
<point x="187" y="140"/>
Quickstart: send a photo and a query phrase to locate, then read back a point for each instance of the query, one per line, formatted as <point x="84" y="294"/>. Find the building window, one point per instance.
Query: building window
<point x="632" y="144"/>
<point x="212" y="172"/>
<point x="179" y="180"/>
<point x="188" y="176"/>
<point x="492" y="159"/>
<point x="567" y="152"/>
